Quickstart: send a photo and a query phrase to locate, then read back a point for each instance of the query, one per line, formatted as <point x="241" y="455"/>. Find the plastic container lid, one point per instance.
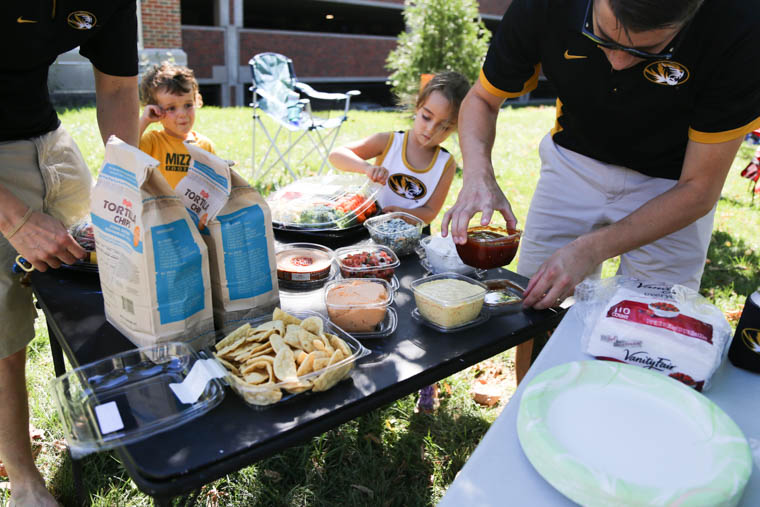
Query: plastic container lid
<point x="449" y="300"/>
<point x="441" y="256"/>
<point x="398" y="231"/>
<point x="503" y="296"/>
<point x="259" y="396"/>
<point x="386" y="261"/>
<point x="358" y="305"/>
<point x="127" y="397"/>
<point x="328" y="202"/>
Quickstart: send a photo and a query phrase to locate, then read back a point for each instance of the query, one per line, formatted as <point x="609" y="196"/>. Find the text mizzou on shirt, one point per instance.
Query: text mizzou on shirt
<point x="35" y="32"/>
<point x="642" y="117"/>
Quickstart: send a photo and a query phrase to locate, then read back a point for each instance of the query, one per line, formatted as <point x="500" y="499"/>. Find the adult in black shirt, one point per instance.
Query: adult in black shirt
<point x="663" y="90"/>
<point x="41" y="168"/>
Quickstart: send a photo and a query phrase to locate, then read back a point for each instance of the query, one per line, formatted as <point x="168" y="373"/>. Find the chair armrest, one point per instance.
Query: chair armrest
<point x="311" y="92"/>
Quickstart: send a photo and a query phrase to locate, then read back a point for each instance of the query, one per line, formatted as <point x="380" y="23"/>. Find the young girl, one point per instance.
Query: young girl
<point x="413" y="167"/>
<point x="170" y="95"/>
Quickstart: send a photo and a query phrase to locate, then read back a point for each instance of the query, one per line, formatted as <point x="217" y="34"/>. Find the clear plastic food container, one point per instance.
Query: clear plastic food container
<point x="449" y="300"/>
<point x="367" y="261"/>
<point x="304" y="266"/>
<point x="441" y="256"/>
<point x="128" y="397"/>
<point x="275" y="389"/>
<point x="358" y="305"/>
<point x="398" y="231"/>
<point x="328" y="202"/>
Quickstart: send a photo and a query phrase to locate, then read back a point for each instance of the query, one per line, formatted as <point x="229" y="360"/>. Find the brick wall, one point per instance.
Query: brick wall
<point x="496" y="7"/>
<point x="161" y="23"/>
<point x="204" y="48"/>
<point x="321" y="55"/>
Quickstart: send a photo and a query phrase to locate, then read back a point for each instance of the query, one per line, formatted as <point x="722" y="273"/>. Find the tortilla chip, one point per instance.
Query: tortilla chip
<point x="285" y="365"/>
<point x="286" y="318"/>
<point x="233" y="336"/>
<point x="314" y="325"/>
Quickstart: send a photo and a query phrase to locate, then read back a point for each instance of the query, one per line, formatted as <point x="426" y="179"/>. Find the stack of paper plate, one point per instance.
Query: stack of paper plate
<point x="606" y="433"/>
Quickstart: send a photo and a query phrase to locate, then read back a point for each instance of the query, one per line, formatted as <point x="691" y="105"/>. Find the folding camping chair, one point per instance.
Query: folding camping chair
<point x="277" y="93"/>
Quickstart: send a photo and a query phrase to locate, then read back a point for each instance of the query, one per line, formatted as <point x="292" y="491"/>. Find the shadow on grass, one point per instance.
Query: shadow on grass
<point x="733" y="263"/>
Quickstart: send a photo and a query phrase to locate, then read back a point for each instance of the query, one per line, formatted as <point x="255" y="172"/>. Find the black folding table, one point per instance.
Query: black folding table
<point x="234" y="435"/>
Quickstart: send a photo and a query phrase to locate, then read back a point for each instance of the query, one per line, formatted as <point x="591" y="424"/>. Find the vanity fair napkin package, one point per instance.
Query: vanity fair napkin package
<point x="663" y="327"/>
<point x="236" y="225"/>
<point x="152" y="262"/>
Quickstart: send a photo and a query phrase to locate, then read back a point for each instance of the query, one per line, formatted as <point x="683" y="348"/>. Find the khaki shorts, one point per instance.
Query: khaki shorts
<point x="49" y="174"/>
<point x="577" y="194"/>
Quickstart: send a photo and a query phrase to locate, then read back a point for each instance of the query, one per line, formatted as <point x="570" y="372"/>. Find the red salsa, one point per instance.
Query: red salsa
<point x="489" y="247"/>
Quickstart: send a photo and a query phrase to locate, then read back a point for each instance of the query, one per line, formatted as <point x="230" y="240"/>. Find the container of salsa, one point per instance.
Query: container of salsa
<point x="304" y="265"/>
<point x="489" y="247"/>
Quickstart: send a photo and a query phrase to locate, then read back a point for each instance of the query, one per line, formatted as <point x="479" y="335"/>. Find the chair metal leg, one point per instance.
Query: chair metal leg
<point x="57" y="352"/>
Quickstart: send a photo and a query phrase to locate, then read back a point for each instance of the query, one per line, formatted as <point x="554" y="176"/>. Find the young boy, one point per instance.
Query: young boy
<point x="170" y="95"/>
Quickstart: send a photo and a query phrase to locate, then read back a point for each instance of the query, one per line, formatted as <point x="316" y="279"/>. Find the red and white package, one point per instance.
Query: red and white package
<point x="663" y="327"/>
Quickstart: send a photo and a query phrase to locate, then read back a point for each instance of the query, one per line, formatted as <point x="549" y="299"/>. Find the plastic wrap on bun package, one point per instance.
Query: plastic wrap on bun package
<point x="235" y="222"/>
<point x="663" y="327"/>
<point x="152" y="262"/>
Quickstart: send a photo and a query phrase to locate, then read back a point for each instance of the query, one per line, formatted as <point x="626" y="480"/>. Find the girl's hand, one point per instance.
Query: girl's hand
<point x="152" y="113"/>
<point x="377" y="173"/>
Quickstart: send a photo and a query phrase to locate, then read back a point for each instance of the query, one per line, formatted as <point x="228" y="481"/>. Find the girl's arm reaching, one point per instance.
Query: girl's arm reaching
<point x="353" y="157"/>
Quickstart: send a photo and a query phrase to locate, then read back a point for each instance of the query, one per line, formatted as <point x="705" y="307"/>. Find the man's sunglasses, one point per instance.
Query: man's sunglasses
<point x="588" y="31"/>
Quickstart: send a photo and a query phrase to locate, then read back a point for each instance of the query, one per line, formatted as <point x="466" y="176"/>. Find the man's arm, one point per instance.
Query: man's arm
<point x="117" y="107"/>
<point x="704" y="172"/>
<point x="480" y="192"/>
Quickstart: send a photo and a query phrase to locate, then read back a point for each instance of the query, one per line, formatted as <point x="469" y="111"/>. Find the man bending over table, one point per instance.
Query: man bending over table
<point x="44" y="181"/>
<point x="654" y="99"/>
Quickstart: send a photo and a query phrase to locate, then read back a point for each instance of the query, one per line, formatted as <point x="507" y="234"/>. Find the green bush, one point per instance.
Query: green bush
<point x="440" y="35"/>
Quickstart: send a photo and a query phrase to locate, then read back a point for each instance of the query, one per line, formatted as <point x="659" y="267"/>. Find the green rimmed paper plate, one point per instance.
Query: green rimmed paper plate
<point x="607" y="433"/>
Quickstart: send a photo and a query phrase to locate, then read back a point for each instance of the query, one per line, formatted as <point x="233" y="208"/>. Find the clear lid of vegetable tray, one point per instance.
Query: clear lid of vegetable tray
<point x="134" y="395"/>
<point x="328" y="202"/>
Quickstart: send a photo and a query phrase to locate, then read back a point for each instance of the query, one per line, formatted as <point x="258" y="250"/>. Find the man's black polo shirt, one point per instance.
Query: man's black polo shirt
<point x="642" y="117"/>
<point x="35" y="32"/>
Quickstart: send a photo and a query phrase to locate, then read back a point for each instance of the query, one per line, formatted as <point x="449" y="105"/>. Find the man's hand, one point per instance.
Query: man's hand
<point x="45" y="242"/>
<point x="556" y="279"/>
<point x="482" y="195"/>
<point x="378" y="174"/>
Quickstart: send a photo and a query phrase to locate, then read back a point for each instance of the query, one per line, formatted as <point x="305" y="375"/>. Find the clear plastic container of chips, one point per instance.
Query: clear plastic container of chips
<point x="328" y="202"/>
<point x="263" y="373"/>
<point x="128" y="397"/>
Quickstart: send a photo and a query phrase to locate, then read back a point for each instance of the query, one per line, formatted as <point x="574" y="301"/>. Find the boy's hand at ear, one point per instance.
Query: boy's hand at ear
<point x="152" y="113"/>
<point x="377" y="173"/>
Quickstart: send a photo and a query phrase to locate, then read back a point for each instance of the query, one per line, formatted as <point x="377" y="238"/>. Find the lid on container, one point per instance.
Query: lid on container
<point x="352" y="296"/>
<point x="130" y="396"/>
<point x="304" y="266"/>
<point x="503" y="295"/>
<point x="328" y="202"/>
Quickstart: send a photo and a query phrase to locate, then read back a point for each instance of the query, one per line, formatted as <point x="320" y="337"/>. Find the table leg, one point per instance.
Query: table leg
<point x="57" y="353"/>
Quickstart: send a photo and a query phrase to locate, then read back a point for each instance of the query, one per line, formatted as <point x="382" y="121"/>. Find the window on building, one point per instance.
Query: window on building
<point x="333" y="17"/>
<point x="198" y="12"/>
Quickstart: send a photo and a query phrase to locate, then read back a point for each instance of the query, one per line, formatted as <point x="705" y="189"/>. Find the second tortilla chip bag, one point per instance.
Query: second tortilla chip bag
<point x="236" y="224"/>
<point x="152" y="262"/>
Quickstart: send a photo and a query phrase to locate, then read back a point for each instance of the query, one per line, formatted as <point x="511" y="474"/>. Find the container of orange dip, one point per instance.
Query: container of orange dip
<point x="358" y="305"/>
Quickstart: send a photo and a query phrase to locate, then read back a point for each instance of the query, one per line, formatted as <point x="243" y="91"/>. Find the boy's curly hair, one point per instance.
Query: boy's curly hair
<point x="170" y="78"/>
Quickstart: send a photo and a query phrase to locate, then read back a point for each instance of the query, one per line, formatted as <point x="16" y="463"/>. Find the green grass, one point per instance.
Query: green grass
<point x="391" y="456"/>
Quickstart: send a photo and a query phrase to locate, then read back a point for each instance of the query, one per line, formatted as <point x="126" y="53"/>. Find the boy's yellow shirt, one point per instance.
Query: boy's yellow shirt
<point x="172" y="153"/>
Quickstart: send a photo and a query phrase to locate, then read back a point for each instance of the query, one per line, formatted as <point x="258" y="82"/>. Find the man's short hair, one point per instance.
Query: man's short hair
<point x="643" y="15"/>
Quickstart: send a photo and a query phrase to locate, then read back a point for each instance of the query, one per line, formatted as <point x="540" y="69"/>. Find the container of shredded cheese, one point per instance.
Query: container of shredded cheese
<point x="449" y="300"/>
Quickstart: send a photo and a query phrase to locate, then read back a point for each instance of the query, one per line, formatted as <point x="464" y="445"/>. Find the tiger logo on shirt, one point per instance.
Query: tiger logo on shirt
<point x="407" y="186"/>
<point x="666" y="73"/>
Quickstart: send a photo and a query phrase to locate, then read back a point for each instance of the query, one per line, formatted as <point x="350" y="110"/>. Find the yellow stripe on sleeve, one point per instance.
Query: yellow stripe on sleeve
<point x="726" y="135"/>
<point x="529" y="85"/>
